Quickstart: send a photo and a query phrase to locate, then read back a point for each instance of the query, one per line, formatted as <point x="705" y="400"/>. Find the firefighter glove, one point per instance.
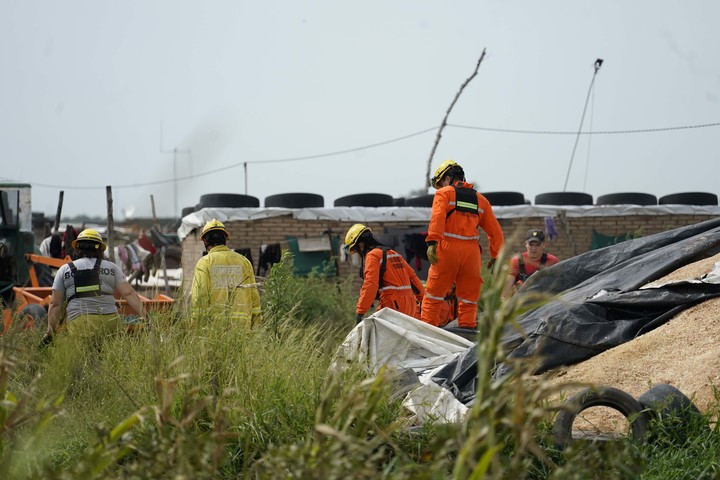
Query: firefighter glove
<point x="431" y="253"/>
<point x="358" y="318"/>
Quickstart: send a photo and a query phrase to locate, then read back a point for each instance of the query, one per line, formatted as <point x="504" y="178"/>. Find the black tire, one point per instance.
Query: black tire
<point x="677" y="414"/>
<point x="665" y="400"/>
<point x="37" y="313"/>
<point x="630" y="198"/>
<point x="564" y="198"/>
<point x="231" y="200"/>
<point x="689" y="198"/>
<point x="186" y="211"/>
<point x="420" y="201"/>
<point x="295" y="200"/>
<point x="602" y="396"/>
<point x="365" y="200"/>
<point x="505" y="198"/>
<point x="399" y="201"/>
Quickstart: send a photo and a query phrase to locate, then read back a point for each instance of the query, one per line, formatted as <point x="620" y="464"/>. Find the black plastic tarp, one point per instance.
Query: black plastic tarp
<point x="596" y="301"/>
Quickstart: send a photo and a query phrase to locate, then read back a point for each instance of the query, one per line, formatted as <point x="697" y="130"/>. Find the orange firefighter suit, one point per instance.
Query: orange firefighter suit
<point x="399" y="288"/>
<point x="457" y="212"/>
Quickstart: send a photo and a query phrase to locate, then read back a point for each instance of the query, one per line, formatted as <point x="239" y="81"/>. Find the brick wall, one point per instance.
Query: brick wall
<point x="575" y="232"/>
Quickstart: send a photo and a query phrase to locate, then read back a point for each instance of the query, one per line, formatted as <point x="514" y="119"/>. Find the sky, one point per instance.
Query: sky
<point x="175" y="99"/>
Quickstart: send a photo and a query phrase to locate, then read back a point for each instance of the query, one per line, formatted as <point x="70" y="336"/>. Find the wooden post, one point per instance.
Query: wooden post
<point x="152" y="205"/>
<point x="163" y="265"/>
<point x="110" y="223"/>
<point x="56" y="226"/>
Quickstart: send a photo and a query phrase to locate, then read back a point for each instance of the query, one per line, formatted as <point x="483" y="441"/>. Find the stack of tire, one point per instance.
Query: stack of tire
<point x="365" y="200"/>
<point x="295" y="200"/>
<point x="420" y="200"/>
<point x="227" y="200"/>
<point x="627" y="198"/>
<point x="689" y="198"/>
<point x="563" y="198"/>
<point x="504" y="199"/>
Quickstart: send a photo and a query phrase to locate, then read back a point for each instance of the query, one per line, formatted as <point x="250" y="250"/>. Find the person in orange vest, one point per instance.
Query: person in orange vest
<point x="458" y="210"/>
<point x="526" y="263"/>
<point x="385" y="273"/>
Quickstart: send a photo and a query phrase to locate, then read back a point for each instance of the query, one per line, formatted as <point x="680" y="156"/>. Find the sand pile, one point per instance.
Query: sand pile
<point x="684" y="352"/>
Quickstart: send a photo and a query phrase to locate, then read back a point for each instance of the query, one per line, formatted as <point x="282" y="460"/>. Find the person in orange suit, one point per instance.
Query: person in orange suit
<point x="452" y="245"/>
<point x="385" y="273"/>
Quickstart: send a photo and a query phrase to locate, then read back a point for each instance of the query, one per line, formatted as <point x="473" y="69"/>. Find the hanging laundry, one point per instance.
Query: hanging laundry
<point x="550" y="229"/>
<point x="269" y="255"/>
<point x="245" y="252"/>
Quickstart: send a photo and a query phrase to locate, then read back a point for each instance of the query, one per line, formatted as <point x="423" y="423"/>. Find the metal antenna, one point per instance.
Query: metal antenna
<point x="598" y="64"/>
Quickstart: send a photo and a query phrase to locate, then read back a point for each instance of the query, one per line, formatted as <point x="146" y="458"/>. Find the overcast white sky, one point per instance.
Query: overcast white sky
<point x="97" y="93"/>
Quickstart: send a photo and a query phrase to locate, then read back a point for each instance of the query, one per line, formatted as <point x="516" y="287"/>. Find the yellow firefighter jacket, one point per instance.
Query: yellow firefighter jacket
<point x="224" y="284"/>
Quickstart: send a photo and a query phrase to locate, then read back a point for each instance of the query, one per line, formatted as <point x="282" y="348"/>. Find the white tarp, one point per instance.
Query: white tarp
<point x="391" y="339"/>
<point x="422" y="214"/>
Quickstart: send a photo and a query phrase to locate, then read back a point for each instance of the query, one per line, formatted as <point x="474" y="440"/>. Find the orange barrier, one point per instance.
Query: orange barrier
<point x="36" y="294"/>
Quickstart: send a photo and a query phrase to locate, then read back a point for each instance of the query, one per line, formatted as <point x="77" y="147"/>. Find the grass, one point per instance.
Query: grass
<point x="215" y="401"/>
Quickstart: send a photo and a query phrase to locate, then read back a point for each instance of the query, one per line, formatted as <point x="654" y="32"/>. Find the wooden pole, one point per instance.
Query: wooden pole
<point x="56" y="226"/>
<point x="110" y="223"/>
<point x="152" y="206"/>
<point x="163" y="264"/>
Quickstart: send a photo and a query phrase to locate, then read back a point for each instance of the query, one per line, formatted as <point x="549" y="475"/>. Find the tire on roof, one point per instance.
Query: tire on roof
<point x="228" y="200"/>
<point x="602" y="396"/>
<point x="399" y="201"/>
<point x="420" y="201"/>
<point x="564" y="198"/>
<point x="689" y="198"/>
<point x="186" y="211"/>
<point x="627" y="198"/>
<point x="295" y="200"/>
<point x="365" y="200"/>
<point x="504" y="198"/>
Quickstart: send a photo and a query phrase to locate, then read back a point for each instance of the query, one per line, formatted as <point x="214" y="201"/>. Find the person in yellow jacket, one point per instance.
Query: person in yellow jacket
<point x="385" y="273"/>
<point x="224" y="282"/>
<point x="453" y="249"/>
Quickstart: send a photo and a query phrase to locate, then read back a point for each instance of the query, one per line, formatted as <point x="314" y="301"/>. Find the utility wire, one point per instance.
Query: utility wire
<point x="372" y="145"/>
<point x="598" y="64"/>
<point x="597" y="132"/>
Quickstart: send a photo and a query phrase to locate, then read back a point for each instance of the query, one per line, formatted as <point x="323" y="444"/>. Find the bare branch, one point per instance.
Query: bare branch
<point x="444" y="122"/>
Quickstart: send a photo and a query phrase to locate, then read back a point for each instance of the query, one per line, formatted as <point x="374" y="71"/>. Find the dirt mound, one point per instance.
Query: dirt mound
<point x="684" y="352"/>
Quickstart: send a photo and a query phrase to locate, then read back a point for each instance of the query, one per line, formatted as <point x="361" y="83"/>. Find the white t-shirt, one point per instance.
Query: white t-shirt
<point x="110" y="277"/>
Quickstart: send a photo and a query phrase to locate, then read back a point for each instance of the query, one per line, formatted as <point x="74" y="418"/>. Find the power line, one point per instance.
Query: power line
<point x="373" y="145"/>
<point x="235" y="165"/>
<point x="596" y="132"/>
